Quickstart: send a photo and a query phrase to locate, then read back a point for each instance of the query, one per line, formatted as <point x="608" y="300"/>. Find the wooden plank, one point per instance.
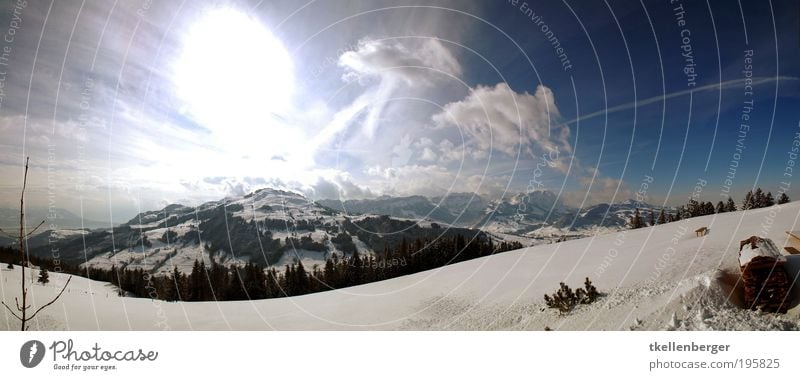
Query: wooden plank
<point x="792" y="250"/>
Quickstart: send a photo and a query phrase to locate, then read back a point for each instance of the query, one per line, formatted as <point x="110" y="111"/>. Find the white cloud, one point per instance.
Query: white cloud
<point x="431" y="180"/>
<point x="498" y="119"/>
<point x="413" y="61"/>
<point x="339" y="186"/>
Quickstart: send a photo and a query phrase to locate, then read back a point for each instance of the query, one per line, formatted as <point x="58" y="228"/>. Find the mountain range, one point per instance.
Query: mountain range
<point x="523" y="213"/>
<point x="276" y="227"/>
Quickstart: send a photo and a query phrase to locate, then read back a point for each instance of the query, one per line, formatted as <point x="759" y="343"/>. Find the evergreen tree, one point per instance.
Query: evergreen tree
<point x="44" y="277"/>
<point x="769" y="200"/>
<point x="783" y="198"/>
<point x="636" y="220"/>
<point x="693" y="208"/>
<point x="685" y="213"/>
<point x="172" y="286"/>
<point x="708" y="208"/>
<point x="652" y="218"/>
<point x="301" y="279"/>
<point x="196" y="282"/>
<point x="720" y="207"/>
<point x="730" y="206"/>
<point x="758" y="198"/>
<point x="748" y="202"/>
<point x="661" y="217"/>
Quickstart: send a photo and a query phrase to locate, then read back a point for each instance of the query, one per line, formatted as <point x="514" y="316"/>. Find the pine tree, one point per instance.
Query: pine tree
<point x="661" y="217"/>
<point x="196" y="279"/>
<point x="720" y="207"/>
<point x="748" y="202"/>
<point x="684" y="212"/>
<point x="758" y="198"/>
<point x="636" y="219"/>
<point x="709" y="208"/>
<point x="44" y="277"/>
<point x="730" y="205"/>
<point x="769" y="200"/>
<point x="783" y="198"/>
<point x="301" y="279"/>
<point x="693" y="208"/>
<point x="652" y="218"/>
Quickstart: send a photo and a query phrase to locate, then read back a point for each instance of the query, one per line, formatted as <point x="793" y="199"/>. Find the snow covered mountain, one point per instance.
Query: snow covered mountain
<point x="536" y="214"/>
<point x="463" y="209"/>
<point x="276" y="227"/>
<point x="655" y="278"/>
<point x="269" y="227"/>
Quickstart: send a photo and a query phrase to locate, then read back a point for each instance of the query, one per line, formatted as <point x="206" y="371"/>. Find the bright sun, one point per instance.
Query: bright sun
<point x="232" y="73"/>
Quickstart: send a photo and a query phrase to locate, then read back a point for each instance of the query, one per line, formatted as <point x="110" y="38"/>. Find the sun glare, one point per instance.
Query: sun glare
<point x="232" y="73"/>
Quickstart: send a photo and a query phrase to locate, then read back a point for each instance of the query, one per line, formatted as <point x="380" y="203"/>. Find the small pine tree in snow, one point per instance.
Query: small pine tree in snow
<point x="769" y="200"/>
<point x="748" y="202"/>
<point x="783" y="198"/>
<point x="591" y="291"/>
<point x="730" y="206"/>
<point x="636" y="220"/>
<point x="661" y="217"/>
<point x="565" y="299"/>
<point x="652" y="218"/>
<point x="758" y="198"/>
<point x="720" y="207"/>
<point x="44" y="276"/>
<point x="10" y="266"/>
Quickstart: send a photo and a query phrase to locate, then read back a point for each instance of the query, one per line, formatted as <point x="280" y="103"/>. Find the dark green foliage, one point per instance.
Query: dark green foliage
<point x="636" y="220"/>
<point x="758" y="198"/>
<point x="730" y="205"/>
<point x="662" y="218"/>
<point x="769" y="200"/>
<point x="44" y="277"/>
<point x="214" y="282"/>
<point x="564" y="299"/>
<point x="749" y="201"/>
<point x="752" y="200"/>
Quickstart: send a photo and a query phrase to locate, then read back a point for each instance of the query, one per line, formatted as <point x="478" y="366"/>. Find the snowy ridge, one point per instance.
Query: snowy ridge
<point x="662" y="277"/>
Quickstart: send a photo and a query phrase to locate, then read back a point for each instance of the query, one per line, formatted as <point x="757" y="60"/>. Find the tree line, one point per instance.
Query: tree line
<point x="752" y="200"/>
<point x="215" y="282"/>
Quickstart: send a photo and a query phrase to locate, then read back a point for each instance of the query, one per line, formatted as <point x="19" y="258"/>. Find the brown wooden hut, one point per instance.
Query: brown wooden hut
<point x="766" y="285"/>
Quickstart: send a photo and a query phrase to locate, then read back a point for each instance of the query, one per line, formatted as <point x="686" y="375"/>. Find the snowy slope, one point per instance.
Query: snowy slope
<point x="661" y="277"/>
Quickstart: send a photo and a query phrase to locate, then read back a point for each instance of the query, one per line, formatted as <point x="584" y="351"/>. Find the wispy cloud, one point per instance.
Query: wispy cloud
<point x="656" y="99"/>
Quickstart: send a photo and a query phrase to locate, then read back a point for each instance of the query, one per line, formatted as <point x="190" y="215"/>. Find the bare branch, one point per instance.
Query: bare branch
<point x="34" y="229"/>
<point x="53" y="301"/>
<point x="11" y="311"/>
<point x="8" y="235"/>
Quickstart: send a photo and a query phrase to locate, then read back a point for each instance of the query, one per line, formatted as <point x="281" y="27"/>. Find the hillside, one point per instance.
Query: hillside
<point x="269" y="227"/>
<point x="537" y="215"/>
<point x="655" y="278"/>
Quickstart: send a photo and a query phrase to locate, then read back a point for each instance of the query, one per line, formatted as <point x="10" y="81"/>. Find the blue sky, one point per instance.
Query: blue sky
<point x="132" y="106"/>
